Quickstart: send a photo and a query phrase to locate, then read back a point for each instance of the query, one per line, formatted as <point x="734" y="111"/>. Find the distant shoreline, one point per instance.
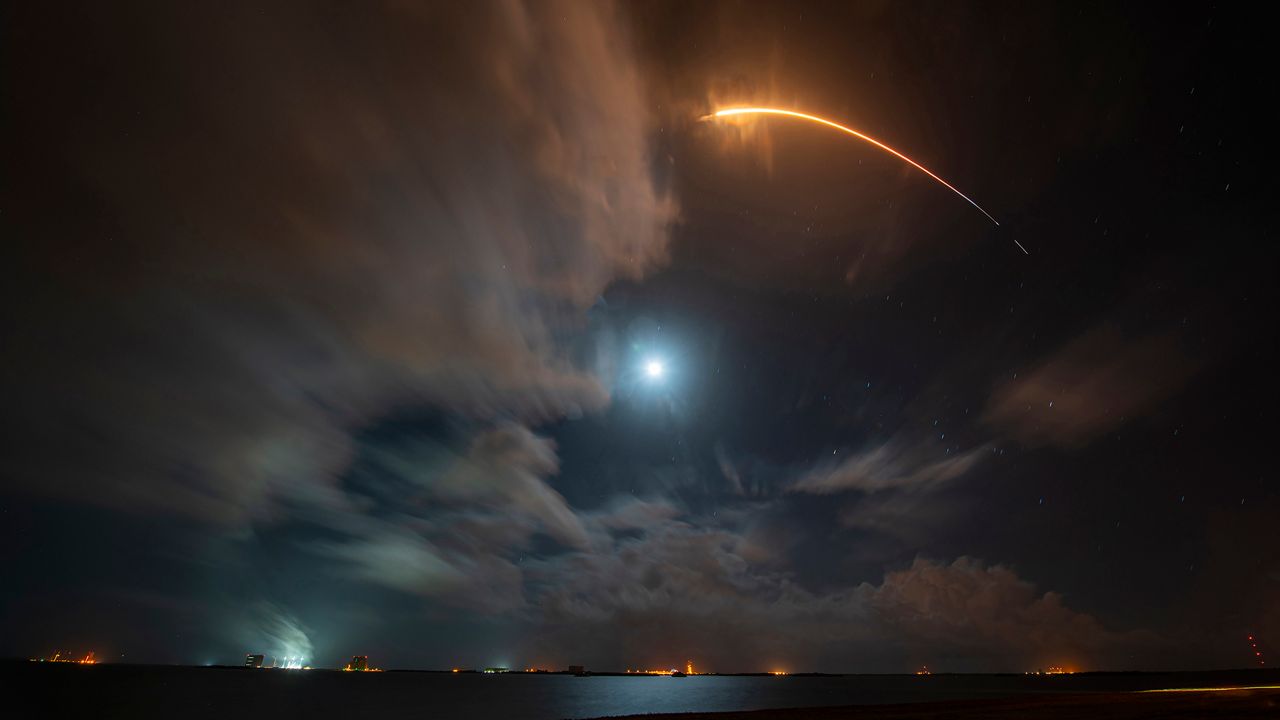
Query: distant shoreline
<point x="143" y="692"/>
<point x="1232" y="672"/>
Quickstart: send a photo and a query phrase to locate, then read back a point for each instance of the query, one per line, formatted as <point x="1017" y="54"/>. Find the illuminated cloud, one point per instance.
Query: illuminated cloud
<point x="1091" y="386"/>
<point x="277" y="634"/>
<point x="680" y="589"/>
<point x="506" y="468"/>
<point x="894" y="465"/>
<point x="445" y="523"/>
<point x="418" y="216"/>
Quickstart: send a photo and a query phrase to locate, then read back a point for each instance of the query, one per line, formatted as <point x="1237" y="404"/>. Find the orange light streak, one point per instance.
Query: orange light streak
<point x="1214" y="689"/>
<point x="731" y="112"/>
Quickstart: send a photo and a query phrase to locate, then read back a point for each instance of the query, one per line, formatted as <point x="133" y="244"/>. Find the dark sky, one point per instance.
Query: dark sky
<point x="325" y="327"/>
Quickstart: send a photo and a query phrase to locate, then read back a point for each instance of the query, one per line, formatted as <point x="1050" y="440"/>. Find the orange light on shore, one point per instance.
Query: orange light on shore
<point x="735" y="112"/>
<point x="58" y="658"/>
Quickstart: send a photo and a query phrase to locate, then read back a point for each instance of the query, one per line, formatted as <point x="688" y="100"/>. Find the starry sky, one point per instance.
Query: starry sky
<point x="326" y="329"/>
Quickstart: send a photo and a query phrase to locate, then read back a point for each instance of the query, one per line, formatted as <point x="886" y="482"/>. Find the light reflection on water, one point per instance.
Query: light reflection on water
<point x="553" y="697"/>
<point x="591" y="697"/>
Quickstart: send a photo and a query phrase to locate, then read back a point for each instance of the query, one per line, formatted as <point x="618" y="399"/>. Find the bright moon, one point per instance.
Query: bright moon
<point x="653" y="369"/>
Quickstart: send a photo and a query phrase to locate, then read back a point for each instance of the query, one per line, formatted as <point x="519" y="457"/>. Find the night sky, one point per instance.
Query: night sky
<point x="326" y="330"/>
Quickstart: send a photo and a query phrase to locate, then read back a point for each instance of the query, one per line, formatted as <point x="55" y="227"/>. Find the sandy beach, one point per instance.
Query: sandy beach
<point x="1244" y="703"/>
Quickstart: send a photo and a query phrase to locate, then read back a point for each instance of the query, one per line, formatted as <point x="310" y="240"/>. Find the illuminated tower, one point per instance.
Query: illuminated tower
<point x="1257" y="654"/>
<point x="688" y="668"/>
<point x="359" y="662"/>
<point x="253" y="661"/>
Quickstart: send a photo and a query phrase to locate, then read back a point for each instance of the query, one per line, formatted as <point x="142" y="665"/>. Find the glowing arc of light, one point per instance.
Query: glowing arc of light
<point x="730" y="112"/>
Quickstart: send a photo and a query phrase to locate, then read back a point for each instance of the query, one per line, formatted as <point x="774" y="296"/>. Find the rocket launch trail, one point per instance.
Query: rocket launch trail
<point x="731" y="112"/>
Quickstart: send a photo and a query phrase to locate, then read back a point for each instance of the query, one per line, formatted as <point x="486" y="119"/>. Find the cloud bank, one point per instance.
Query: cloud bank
<point x="418" y="214"/>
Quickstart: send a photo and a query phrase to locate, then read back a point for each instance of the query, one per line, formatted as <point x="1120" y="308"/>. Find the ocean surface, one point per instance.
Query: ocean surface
<point x="192" y="692"/>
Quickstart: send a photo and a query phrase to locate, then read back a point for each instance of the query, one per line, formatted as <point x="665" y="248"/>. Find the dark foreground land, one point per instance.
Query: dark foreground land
<point x="1244" y="704"/>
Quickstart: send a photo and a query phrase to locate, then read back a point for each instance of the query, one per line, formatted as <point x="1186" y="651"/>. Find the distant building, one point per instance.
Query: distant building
<point x="494" y="670"/>
<point x="253" y="661"/>
<point x="359" y="662"/>
<point x="576" y="669"/>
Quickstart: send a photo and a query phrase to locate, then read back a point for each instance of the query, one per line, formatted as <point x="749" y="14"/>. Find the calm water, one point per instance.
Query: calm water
<point x="172" y="692"/>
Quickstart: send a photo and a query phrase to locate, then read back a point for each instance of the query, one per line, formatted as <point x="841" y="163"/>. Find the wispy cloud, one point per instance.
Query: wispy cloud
<point x="895" y="465"/>
<point x="1089" y="386"/>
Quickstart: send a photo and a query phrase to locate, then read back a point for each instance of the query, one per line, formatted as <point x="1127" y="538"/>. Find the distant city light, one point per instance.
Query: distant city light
<point x="359" y="663"/>
<point x="58" y="657"/>
<point x="292" y="663"/>
<point x="1053" y="670"/>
